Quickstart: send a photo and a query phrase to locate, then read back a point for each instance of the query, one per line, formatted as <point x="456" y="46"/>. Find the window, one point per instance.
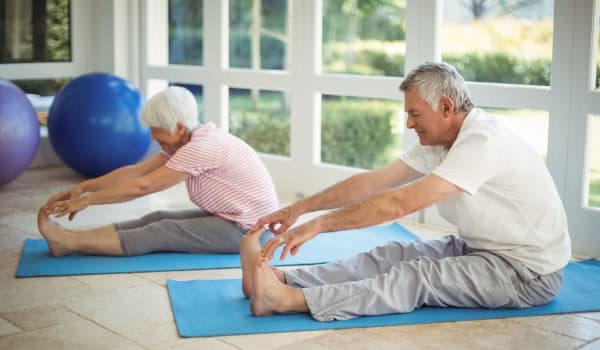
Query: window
<point x="261" y="118"/>
<point x="35" y="31"/>
<point x="259" y="34"/>
<point x="360" y="132"/>
<point x="185" y="32"/>
<point x="593" y="161"/>
<point x="530" y="124"/>
<point x="364" y="37"/>
<point x="155" y="86"/>
<point x="499" y="41"/>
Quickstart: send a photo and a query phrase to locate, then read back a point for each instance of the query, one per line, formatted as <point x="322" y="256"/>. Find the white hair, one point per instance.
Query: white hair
<point x="437" y="79"/>
<point x="168" y="107"/>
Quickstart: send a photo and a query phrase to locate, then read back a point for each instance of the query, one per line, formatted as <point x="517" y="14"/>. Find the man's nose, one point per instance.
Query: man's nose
<point x="410" y="123"/>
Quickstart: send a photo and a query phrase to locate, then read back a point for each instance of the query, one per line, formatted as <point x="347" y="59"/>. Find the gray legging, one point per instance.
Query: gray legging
<point x="399" y="277"/>
<point x="188" y="231"/>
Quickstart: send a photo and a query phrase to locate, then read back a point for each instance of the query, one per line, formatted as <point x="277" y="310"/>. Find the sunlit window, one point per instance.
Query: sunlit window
<point x="35" y="31"/>
<point x="360" y="132"/>
<point x="185" y="32"/>
<point x="197" y="91"/>
<point x="364" y="37"/>
<point x="593" y="161"/>
<point x="530" y="124"/>
<point x="261" y="118"/>
<point x="259" y="34"/>
<point x="499" y="41"/>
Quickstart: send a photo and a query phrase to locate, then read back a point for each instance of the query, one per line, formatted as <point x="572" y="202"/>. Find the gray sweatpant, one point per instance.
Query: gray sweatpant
<point x="187" y="231"/>
<point x="401" y="276"/>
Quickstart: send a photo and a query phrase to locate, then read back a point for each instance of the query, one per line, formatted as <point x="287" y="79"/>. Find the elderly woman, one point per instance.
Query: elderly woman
<point x="225" y="178"/>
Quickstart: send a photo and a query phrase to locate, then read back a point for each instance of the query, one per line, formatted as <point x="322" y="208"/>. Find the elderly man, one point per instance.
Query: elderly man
<point x="512" y="242"/>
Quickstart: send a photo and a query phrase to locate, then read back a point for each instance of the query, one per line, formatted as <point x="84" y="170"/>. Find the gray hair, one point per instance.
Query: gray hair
<point x="435" y="80"/>
<point x="168" y="107"/>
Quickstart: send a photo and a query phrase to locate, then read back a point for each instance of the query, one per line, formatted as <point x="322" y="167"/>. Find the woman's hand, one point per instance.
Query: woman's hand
<point x="72" y="193"/>
<point x="71" y="206"/>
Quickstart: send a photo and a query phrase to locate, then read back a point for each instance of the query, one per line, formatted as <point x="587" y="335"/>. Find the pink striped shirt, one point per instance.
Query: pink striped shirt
<point x="227" y="178"/>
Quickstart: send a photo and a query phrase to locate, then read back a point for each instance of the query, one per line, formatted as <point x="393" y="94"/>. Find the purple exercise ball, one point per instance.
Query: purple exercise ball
<point x="19" y="132"/>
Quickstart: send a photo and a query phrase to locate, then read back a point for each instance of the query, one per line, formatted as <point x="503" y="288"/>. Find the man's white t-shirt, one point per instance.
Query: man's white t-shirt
<point x="510" y="204"/>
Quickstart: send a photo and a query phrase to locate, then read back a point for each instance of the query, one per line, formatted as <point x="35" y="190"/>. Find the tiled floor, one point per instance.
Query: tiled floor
<point x="132" y="311"/>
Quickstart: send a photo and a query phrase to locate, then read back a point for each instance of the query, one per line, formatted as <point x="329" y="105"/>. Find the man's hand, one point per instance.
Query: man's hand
<point x="292" y="240"/>
<point x="279" y="221"/>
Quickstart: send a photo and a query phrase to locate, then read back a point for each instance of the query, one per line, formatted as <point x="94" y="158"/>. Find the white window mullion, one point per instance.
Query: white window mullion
<point x="216" y="58"/>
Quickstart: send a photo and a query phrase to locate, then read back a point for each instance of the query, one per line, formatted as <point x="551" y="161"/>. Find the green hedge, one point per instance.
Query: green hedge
<point x="355" y="133"/>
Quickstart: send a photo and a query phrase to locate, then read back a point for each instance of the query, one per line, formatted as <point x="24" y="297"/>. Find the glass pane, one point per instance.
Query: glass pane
<point x="499" y="41"/>
<point x="361" y="132"/>
<point x="364" y="37"/>
<point x="185" y="32"/>
<point x="262" y="119"/>
<point x="593" y="160"/>
<point x="35" y="31"/>
<point x="197" y="91"/>
<point x="259" y="34"/>
<point x="41" y="94"/>
<point x="598" y="55"/>
<point x="530" y="124"/>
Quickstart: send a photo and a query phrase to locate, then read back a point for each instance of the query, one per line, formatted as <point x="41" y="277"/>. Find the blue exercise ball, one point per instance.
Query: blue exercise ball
<point x="94" y="124"/>
<point x="19" y="132"/>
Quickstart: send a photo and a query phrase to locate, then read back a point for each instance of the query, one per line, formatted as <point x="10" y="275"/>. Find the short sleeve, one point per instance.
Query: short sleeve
<point x="472" y="161"/>
<point x="195" y="157"/>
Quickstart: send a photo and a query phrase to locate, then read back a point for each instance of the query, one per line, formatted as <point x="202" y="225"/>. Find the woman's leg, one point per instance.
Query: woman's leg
<point x="99" y="241"/>
<point x="203" y="234"/>
<point x="160" y="215"/>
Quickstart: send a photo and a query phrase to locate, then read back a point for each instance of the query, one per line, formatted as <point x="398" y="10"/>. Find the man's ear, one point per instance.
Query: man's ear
<point x="447" y="105"/>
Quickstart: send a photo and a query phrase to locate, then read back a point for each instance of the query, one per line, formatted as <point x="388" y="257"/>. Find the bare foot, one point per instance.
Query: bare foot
<point x="53" y="233"/>
<point x="270" y="295"/>
<point x="249" y="254"/>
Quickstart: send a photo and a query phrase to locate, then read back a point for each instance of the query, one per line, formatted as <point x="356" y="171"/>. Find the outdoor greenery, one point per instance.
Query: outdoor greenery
<point x="359" y="132"/>
<point x="365" y="37"/>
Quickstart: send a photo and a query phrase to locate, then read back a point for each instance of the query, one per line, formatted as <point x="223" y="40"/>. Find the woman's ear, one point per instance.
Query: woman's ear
<point x="180" y="129"/>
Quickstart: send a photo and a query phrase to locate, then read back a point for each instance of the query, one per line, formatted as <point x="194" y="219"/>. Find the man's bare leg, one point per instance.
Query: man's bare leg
<point x="270" y="295"/>
<point x="249" y="254"/>
<point x="99" y="241"/>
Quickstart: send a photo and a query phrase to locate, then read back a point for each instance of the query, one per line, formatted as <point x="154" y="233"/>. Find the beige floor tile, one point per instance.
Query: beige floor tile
<point x="350" y="339"/>
<point x="158" y="336"/>
<point x="165" y="336"/>
<point x="11" y="239"/>
<point x="7" y="328"/>
<point x="204" y="344"/>
<point x="124" y="310"/>
<point x="73" y="336"/>
<point x="269" y="341"/>
<point x="109" y="283"/>
<point x="570" y="325"/>
<point x="39" y="317"/>
<point x="8" y="264"/>
<point x="591" y="316"/>
<point x="22" y="293"/>
<point x="594" y="345"/>
<point x="161" y="277"/>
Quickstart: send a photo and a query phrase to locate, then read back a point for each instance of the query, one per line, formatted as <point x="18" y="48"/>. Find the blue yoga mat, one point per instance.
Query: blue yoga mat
<point x="37" y="261"/>
<point x="200" y="305"/>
